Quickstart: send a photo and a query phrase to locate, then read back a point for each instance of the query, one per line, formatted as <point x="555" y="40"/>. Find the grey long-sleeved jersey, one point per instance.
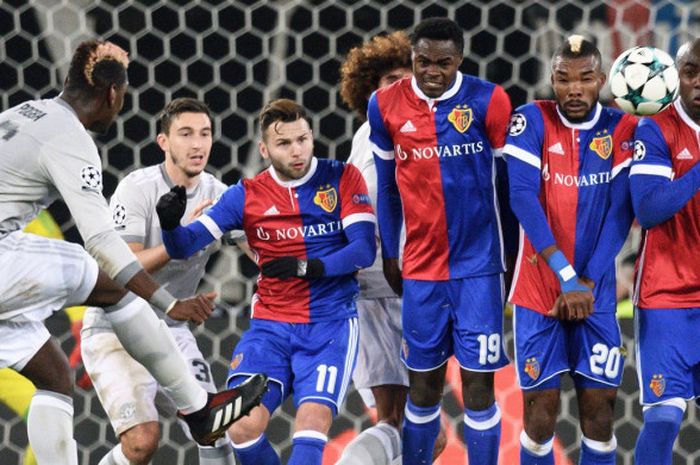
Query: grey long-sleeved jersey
<point x="46" y="153"/>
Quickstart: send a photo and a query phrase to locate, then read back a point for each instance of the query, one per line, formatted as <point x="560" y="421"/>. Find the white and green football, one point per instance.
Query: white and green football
<point x="644" y="80"/>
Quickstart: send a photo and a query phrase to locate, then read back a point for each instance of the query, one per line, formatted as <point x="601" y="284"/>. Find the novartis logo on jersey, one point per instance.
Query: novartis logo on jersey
<point x="310" y="230"/>
<point x="569" y="180"/>
<point x="439" y="151"/>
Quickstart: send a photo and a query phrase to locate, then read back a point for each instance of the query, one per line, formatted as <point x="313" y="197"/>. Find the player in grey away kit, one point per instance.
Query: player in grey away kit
<point x="47" y="153"/>
<point x="127" y="391"/>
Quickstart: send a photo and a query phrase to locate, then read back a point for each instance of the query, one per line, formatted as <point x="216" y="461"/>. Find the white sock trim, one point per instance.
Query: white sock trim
<point x="52" y="399"/>
<point x="536" y="448"/>
<point x="419" y="420"/>
<point x="485" y="424"/>
<point x="246" y="444"/>
<point x="604" y="447"/>
<point x="309" y="433"/>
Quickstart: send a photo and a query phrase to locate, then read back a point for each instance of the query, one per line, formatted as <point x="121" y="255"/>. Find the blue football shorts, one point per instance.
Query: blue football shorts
<point x="668" y="354"/>
<point x="463" y="317"/>
<point x="590" y="350"/>
<point x="312" y="361"/>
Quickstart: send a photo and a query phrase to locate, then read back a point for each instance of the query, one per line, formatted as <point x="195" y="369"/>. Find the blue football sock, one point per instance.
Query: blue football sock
<point x="421" y="426"/>
<point x="533" y="453"/>
<point x="307" y="448"/>
<point x="655" y="441"/>
<point x="257" y="452"/>
<point x="482" y="435"/>
<point x="598" y="452"/>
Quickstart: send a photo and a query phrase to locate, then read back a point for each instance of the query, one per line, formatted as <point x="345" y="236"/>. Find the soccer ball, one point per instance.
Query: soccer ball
<point x="644" y="80"/>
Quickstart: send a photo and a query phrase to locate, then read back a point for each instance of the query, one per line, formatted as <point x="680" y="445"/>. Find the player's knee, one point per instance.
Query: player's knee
<point x="597" y="423"/>
<point x="249" y="427"/>
<point x="539" y="424"/>
<point x="477" y="391"/>
<point x="140" y="443"/>
<point x="314" y="416"/>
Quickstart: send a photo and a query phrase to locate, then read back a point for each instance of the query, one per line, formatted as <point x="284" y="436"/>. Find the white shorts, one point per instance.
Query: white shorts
<point x="21" y="340"/>
<point x="379" y="358"/>
<point x="127" y="391"/>
<point x="41" y="276"/>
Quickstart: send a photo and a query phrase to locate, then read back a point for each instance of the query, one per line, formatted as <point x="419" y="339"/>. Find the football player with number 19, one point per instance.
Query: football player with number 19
<point x="664" y="180"/>
<point x="568" y="164"/>
<point x="435" y="138"/>
<point x="311" y="225"/>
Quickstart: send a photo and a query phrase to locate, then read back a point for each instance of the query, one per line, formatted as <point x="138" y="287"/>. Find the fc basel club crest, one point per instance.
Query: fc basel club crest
<point x="461" y="117"/>
<point x="532" y="368"/>
<point x="657" y="385"/>
<point x="327" y="198"/>
<point x="602" y="145"/>
<point x="236" y="361"/>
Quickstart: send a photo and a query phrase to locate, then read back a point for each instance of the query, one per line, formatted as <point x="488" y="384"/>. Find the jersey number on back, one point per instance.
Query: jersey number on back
<point x="8" y="130"/>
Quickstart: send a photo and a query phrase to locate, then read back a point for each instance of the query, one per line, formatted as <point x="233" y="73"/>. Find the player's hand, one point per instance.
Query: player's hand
<point x="292" y="267"/>
<point x="195" y="309"/>
<point x="171" y="206"/>
<point x="574" y="305"/>
<point x="392" y="274"/>
<point x="197" y="212"/>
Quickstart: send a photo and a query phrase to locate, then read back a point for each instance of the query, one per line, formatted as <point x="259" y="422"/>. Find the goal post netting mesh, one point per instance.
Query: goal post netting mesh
<point x="236" y="55"/>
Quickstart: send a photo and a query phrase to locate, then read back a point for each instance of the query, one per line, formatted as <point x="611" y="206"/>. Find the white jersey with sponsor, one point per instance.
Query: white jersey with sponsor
<point x="134" y="213"/>
<point x="373" y="285"/>
<point x="46" y="153"/>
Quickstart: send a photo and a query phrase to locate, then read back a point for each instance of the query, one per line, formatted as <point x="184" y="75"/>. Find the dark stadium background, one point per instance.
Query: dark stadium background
<point x="237" y="55"/>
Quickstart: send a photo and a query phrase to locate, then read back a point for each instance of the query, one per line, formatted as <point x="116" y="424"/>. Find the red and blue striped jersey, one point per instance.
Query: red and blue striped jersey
<point x="439" y="154"/>
<point x="577" y="206"/>
<point x="304" y="218"/>
<point x="668" y="271"/>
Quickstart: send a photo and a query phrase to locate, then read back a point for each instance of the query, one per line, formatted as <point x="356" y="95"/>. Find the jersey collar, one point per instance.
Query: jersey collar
<point x="586" y="125"/>
<point x="294" y="182"/>
<point x="169" y="182"/>
<point x="454" y="88"/>
<point x="685" y="117"/>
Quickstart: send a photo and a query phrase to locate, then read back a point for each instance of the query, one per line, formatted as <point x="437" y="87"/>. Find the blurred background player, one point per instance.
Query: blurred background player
<point x="47" y="153"/>
<point x="568" y="162"/>
<point x="311" y="226"/>
<point x="380" y="377"/>
<point x="664" y="180"/>
<point x="16" y="391"/>
<point x="435" y="138"/>
<point x="186" y="139"/>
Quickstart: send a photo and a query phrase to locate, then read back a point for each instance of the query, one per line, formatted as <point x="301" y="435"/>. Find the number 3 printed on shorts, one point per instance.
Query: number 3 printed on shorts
<point x="489" y="348"/>
<point x="327" y="376"/>
<point x="605" y="361"/>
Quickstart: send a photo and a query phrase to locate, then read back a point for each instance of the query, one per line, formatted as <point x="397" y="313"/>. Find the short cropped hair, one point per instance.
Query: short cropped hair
<point x="364" y="66"/>
<point x="178" y="106"/>
<point x="95" y="66"/>
<point x="281" y="111"/>
<point x="577" y="46"/>
<point x="439" y="29"/>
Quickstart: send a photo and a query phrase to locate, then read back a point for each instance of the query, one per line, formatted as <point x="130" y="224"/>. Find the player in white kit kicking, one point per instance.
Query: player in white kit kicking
<point x="130" y="401"/>
<point x="47" y="153"/>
